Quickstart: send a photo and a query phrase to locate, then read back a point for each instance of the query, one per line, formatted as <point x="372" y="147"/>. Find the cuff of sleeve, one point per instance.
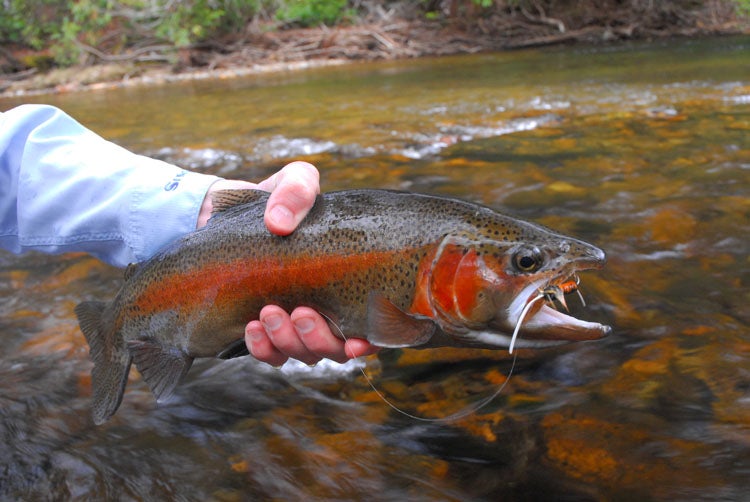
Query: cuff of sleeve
<point x="165" y="208"/>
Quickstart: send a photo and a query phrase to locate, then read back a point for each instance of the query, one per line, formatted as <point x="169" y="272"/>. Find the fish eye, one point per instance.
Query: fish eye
<point x="528" y="260"/>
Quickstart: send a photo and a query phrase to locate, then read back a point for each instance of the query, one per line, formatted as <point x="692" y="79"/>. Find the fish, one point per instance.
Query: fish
<point x="399" y="269"/>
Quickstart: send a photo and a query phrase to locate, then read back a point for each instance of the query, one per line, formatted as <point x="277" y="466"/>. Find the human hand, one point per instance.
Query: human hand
<point x="293" y="191"/>
<point x="305" y="334"/>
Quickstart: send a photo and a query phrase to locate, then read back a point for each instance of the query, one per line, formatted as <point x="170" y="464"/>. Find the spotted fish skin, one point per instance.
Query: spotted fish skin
<point x="399" y="269"/>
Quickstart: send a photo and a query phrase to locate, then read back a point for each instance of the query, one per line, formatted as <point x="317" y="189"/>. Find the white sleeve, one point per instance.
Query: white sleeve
<point x="63" y="188"/>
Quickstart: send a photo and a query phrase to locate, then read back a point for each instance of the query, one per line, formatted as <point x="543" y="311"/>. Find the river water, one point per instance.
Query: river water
<point x="641" y="149"/>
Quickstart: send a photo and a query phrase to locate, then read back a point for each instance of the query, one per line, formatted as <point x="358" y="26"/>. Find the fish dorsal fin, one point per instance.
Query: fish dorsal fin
<point x="161" y="367"/>
<point x="389" y="326"/>
<point x="130" y="271"/>
<point x="224" y="200"/>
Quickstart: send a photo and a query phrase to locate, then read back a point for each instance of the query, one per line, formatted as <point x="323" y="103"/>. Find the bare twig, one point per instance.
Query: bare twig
<point x="542" y="18"/>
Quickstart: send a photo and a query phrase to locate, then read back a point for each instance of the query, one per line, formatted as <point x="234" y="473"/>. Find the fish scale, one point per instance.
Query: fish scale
<point x="396" y="268"/>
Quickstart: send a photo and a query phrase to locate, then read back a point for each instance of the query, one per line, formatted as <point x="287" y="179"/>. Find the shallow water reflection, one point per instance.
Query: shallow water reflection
<point x="643" y="150"/>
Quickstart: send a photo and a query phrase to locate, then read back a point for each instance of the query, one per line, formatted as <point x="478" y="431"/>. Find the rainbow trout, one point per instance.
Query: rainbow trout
<point x="398" y="269"/>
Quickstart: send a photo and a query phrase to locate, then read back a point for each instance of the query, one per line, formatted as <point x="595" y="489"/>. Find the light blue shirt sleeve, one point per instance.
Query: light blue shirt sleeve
<point x="63" y="188"/>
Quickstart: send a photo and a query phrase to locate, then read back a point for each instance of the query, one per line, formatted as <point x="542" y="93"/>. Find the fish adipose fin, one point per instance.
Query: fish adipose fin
<point x="389" y="326"/>
<point x="111" y="362"/>
<point x="161" y="367"/>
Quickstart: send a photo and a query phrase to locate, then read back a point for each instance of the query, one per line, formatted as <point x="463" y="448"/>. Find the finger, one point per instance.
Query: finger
<point x="293" y="191"/>
<point x="260" y="345"/>
<point x="357" y="347"/>
<point x="315" y="333"/>
<point x="282" y="334"/>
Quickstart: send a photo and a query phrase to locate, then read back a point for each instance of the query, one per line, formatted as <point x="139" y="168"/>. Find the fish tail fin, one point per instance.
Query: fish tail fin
<point x="111" y="361"/>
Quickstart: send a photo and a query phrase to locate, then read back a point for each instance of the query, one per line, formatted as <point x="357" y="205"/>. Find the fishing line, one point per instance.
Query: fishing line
<point x="525" y="311"/>
<point x="463" y="413"/>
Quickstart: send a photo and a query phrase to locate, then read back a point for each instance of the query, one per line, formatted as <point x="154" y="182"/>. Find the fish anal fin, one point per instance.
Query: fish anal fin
<point x="223" y="200"/>
<point x="389" y="326"/>
<point x="161" y="367"/>
<point x="237" y="348"/>
<point x="111" y="361"/>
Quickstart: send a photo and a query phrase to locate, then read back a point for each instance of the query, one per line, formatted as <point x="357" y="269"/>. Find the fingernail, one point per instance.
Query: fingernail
<point x="282" y="216"/>
<point x="255" y="335"/>
<point x="304" y="325"/>
<point x="272" y="322"/>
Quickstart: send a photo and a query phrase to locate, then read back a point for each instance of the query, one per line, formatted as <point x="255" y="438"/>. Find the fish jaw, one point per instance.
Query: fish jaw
<point x="553" y="325"/>
<point x="558" y="329"/>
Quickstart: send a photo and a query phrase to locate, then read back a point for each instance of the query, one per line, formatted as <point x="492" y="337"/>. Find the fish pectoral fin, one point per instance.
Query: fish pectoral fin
<point x="389" y="326"/>
<point x="161" y="367"/>
<point x="237" y="348"/>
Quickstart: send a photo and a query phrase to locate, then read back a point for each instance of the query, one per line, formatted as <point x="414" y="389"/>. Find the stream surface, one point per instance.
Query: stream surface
<point x="642" y="149"/>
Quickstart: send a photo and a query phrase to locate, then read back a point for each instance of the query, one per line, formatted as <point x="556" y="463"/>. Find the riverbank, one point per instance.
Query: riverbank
<point x="389" y="35"/>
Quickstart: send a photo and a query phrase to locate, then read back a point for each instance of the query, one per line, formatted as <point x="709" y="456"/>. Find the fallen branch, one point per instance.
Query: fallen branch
<point x="582" y="34"/>
<point x="155" y="53"/>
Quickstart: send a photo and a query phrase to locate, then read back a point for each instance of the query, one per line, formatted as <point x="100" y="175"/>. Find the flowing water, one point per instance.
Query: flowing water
<point x="642" y="149"/>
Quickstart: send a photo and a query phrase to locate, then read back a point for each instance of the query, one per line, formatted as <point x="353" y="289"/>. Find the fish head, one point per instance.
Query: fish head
<point x="480" y="289"/>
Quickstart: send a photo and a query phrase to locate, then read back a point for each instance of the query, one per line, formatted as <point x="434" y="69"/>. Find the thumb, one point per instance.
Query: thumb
<point x="293" y="191"/>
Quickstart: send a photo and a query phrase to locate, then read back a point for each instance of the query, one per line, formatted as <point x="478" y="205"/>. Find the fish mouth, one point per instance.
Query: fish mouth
<point x="538" y="322"/>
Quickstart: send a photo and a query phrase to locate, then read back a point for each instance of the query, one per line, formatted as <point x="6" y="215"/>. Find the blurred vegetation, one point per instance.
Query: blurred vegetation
<point x="85" y="31"/>
<point x="146" y="29"/>
<point x="315" y="12"/>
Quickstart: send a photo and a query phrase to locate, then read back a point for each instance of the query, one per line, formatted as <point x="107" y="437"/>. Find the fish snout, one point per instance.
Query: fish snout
<point x="584" y="255"/>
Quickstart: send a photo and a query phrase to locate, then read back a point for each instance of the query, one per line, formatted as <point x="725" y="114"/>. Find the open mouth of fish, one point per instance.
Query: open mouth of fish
<point x="539" y="320"/>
